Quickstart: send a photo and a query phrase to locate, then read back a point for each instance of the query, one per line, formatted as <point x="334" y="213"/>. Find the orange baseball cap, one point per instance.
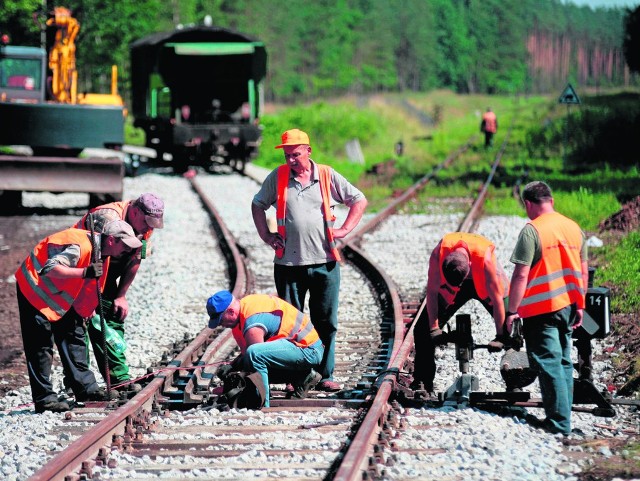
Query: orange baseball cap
<point x="294" y="137"/>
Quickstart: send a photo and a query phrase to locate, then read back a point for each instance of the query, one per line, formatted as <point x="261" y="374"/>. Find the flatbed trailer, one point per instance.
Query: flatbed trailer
<point x="100" y="177"/>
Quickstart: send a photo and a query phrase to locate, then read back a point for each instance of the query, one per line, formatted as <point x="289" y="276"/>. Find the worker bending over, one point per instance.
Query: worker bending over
<point x="57" y="292"/>
<point x="143" y="214"/>
<point x="461" y="267"/>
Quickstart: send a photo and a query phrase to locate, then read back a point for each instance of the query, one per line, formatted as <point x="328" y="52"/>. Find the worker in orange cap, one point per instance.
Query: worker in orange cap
<point x="306" y="255"/>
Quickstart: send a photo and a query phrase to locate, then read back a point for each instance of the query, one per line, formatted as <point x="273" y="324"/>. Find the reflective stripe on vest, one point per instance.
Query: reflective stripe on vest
<point x="476" y="246"/>
<point x="54" y="297"/>
<point x="295" y="326"/>
<point x="324" y="174"/>
<point x="555" y="281"/>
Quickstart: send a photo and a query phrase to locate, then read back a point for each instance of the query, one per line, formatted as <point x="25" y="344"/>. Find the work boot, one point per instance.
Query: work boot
<point x="128" y="388"/>
<point x="53" y="406"/>
<point x="421" y="392"/>
<point x="417" y="385"/>
<point x="300" y="389"/>
<point x="99" y="395"/>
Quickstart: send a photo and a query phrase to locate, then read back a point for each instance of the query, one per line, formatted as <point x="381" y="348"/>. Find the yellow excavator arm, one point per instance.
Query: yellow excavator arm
<point x="62" y="56"/>
<point x="62" y="62"/>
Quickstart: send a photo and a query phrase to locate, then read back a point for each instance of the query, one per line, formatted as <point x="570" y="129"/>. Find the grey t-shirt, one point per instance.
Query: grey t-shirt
<point x="306" y="241"/>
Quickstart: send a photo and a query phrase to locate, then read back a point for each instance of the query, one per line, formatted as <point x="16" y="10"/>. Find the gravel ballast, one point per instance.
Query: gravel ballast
<point x="167" y="300"/>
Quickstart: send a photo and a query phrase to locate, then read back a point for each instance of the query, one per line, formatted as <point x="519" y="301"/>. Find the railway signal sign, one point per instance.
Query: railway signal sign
<point x="569" y="96"/>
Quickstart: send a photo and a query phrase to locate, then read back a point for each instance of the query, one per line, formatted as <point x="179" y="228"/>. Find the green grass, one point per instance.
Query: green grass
<point x="585" y="207"/>
<point x="587" y="192"/>
<point x="619" y="268"/>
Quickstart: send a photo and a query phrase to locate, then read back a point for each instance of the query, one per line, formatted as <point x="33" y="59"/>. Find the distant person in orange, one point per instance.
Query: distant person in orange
<point x="489" y="126"/>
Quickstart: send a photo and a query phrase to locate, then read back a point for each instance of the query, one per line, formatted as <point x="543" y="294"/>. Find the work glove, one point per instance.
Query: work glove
<point x="438" y="337"/>
<point x="503" y="341"/>
<point x="236" y="364"/>
<point x="93" y="270"/>
<point x="223" y="371"/>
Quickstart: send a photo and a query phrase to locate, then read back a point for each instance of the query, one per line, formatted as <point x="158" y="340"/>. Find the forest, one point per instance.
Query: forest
<point x="328" y="48"/>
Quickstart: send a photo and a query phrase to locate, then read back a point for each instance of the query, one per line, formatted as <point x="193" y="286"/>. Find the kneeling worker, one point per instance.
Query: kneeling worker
<point x="461" y="267"/>
<point x="276" y="334"/>
<point x="56" y="289"/>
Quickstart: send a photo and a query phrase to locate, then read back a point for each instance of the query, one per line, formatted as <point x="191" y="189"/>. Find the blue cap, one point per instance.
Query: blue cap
<point x="216" y="305"/>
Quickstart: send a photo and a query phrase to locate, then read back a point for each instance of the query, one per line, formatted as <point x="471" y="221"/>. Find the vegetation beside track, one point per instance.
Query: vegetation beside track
<point x="432" y="126"/>
<point x="548" y="141"/>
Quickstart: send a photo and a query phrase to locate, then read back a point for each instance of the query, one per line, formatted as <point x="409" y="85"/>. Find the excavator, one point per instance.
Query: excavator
<point x="46" y="123"/>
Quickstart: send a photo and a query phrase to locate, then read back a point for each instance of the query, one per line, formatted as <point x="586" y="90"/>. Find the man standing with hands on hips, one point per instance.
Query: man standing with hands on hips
<point x="547" y="291"/>
<point x="307" y="259"/>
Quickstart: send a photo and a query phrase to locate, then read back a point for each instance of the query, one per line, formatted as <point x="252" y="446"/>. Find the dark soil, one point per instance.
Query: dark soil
<point x="18" y="235"/>
<point x="626" y="220"/>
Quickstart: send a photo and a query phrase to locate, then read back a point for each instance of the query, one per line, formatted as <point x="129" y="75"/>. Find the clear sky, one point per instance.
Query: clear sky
<point x="605" y="3"/>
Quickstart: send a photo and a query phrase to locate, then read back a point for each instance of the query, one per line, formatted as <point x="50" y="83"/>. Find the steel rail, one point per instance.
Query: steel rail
<point x="119" y="423"/>
<point x="476" y="209"/>
<point x="411" y="192"/>
<point x="355" y="463"/>
<point x="238" y="271"/>
<point x="88" y="445"/>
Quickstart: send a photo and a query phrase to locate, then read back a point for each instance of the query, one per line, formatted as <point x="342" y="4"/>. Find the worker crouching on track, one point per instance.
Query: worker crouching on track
<point x="461" y="267"/>
<point x="548" y="288"/>
<point x="143" y="214"/>
<point x="275" y="336"/>
<point x="57" y="292"/>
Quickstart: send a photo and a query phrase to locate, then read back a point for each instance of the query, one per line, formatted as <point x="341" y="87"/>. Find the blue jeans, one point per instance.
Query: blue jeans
<point x="282" y="355"/>
<point x="322" y="282"/>
<point x="548" y="341"/>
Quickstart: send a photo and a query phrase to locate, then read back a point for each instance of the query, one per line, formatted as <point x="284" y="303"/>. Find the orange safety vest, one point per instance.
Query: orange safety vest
<point x="295" y="325"/>
<point x="54" y="297"/>
<point x="120" y="207"/>
<point x="490" y="122"/>
<point x="324" y="172"/>
<point x="476" y="246"/>
<point x="555" y="281"/>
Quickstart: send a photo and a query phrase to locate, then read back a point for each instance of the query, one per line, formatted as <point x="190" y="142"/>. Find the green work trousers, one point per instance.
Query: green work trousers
<point x="118" y="367"/>
<point x="548" y="342"/>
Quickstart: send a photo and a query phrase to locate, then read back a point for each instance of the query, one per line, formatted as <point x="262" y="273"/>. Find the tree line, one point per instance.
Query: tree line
<point x="334" y="47"/>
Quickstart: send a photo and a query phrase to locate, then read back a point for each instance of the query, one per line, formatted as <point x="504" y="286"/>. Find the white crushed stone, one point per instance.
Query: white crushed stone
<point x="167" y="300"/>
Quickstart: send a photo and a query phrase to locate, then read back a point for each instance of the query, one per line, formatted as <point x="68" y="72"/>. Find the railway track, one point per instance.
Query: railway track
<point x="365" y="361"/>
<point x="175" y="425"/>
